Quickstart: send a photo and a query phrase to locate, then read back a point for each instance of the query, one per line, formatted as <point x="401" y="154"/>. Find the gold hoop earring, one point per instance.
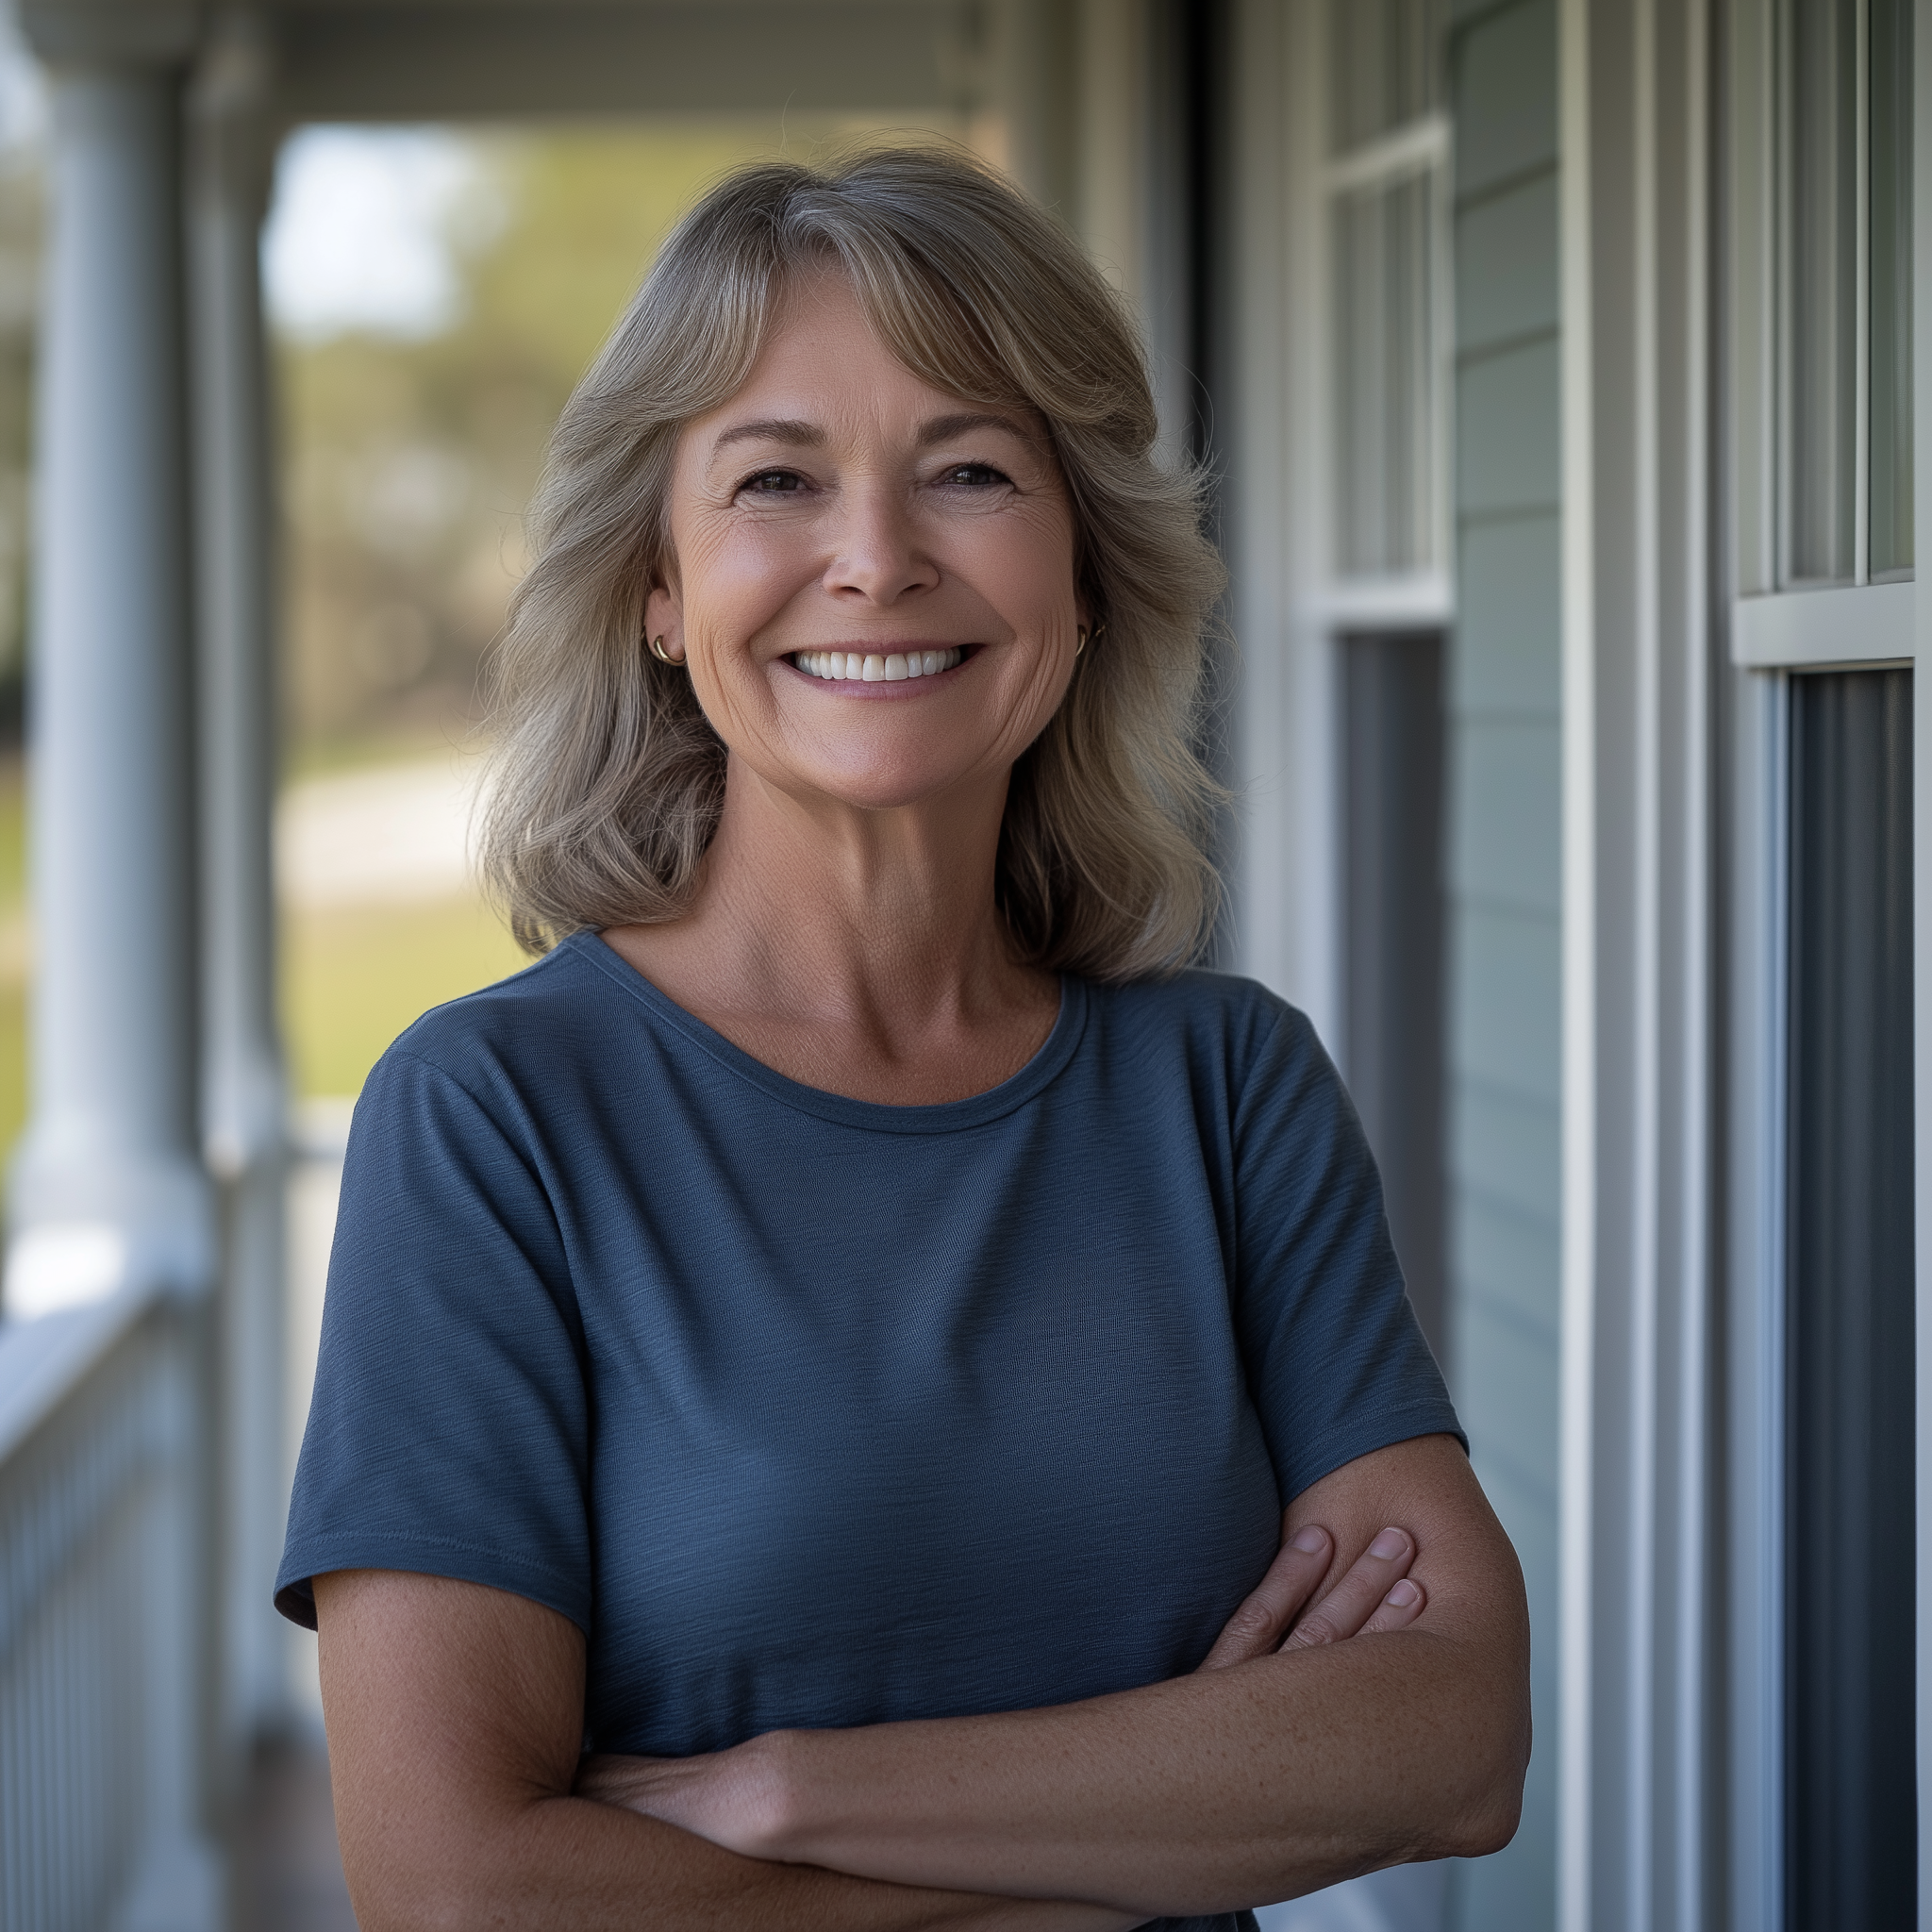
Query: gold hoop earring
<point x="662" y="655"/>
<point x="1084" y="637"/>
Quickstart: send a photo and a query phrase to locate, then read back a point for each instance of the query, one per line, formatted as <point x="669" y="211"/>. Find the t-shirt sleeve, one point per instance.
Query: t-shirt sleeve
<point x="449" y="1430"/>
<point x="1336" y="1364"/>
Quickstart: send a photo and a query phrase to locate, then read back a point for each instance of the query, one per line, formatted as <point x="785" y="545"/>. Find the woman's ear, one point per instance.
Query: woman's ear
<point x="665" y="621"/>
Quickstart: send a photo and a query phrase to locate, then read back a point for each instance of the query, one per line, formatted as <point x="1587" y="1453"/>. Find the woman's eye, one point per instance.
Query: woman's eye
<point x="972" y="475"/>
<point x="774" y="483"/>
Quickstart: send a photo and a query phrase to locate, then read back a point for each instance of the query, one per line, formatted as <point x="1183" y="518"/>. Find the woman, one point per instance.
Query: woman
<point x="815" y="1368"/>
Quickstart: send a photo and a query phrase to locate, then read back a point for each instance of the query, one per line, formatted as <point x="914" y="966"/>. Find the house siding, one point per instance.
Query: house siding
<point x="1503" y="882"/>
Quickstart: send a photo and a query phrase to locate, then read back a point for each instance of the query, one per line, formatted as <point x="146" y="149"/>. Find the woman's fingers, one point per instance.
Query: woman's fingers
<point x="1257" y="1628"/>
<point x="1404" y="1604"/>
<point x="1367" y="1593"/>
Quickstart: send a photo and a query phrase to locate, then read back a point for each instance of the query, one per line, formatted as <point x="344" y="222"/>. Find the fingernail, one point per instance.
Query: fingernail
<point x="1392" y="1543"/>
<point x="1402" y="1595"/>
<point x="1310" y="1540"/>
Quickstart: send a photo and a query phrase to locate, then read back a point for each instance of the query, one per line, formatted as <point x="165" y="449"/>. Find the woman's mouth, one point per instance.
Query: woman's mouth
<point x="875" y="667"/>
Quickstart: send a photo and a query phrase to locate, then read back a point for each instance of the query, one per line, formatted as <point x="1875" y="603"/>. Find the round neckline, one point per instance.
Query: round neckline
<point x="937" y="1117"/>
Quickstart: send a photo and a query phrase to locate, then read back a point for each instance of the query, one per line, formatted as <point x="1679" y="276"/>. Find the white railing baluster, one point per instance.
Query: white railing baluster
<point x="99" y="1485"/>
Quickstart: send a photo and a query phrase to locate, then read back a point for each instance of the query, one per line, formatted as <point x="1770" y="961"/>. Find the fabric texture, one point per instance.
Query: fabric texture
<point x="814" y="1412"/>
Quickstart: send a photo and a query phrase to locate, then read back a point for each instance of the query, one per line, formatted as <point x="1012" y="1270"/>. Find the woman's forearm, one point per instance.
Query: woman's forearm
<point x="567" y="1861"/>
<point x="1204" y="1795"/>
<point x="556" y="1861"/>
<point x="455" y="1714"/>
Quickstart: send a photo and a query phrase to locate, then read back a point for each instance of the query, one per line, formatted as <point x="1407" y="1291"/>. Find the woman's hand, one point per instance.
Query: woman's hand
<point x="1375" y="1594"/>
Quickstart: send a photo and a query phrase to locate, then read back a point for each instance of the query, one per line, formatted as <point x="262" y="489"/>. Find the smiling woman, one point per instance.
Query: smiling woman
<point x="857" y="1392"/>
<point x="1030" y="400"/>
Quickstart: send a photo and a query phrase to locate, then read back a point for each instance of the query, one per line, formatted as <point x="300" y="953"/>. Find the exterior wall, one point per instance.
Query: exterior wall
<point x="1504" y="886"/>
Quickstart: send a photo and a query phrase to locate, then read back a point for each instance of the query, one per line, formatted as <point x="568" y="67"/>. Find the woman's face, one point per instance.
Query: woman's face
<point x="838" y="515"/>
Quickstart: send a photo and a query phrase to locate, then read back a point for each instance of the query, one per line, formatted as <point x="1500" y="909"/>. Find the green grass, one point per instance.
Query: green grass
<point x="353" y="977"/>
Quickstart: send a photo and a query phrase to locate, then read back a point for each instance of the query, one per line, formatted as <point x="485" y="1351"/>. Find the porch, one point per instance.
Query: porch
<point x="1565" y="432"/>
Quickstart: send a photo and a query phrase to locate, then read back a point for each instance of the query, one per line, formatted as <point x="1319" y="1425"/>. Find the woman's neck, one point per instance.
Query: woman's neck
<point x="857" y="950"/>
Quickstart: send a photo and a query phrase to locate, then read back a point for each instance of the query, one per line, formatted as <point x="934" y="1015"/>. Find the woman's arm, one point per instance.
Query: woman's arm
<point x="455" y="1723"/>
<point x="1239" y="1785"/>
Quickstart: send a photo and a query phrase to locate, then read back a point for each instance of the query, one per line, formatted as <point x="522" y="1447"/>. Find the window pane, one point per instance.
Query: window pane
<point x="1891" y="97"/>
<point x="1387" y="387"/>
<point x="1851" y="1819"/>
<point x="1393" y="1037"/>
<point x="1383" y="57"/>
<point x="1821" y="281"/>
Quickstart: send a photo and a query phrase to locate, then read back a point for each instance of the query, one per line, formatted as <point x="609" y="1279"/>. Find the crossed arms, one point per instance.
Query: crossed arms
<point x="1382" y="1725"/>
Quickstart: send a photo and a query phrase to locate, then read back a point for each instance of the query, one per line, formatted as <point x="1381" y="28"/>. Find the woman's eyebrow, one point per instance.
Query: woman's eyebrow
<point x="775" y="429"/>
<point x="944" y="429"/>
<point x="802" y="435"/>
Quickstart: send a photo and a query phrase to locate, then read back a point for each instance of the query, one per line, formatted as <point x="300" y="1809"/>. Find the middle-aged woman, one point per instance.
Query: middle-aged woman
<point x="857" y="1393"/>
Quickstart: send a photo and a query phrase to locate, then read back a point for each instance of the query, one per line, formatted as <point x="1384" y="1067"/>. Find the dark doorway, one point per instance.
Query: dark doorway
<point x="1851" y="1785"/>
<point x="1393" y="1043"/>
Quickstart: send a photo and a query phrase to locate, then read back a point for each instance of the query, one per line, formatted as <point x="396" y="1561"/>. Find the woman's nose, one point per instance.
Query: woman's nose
<point x="876" y="554"/>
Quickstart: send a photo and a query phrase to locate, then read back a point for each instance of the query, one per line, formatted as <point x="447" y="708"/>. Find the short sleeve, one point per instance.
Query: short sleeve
<point x="1336" y="1364"/>
<point x="449" y="1430"/>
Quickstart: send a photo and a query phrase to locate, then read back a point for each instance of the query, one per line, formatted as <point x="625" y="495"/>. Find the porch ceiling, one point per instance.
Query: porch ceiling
<point x="394" y="59"/>
<point x="364" y="59"/>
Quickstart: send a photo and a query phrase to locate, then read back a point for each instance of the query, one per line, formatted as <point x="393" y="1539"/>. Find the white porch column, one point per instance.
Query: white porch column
<point x="108" y="1188"/>
<point x="230" y="156"/>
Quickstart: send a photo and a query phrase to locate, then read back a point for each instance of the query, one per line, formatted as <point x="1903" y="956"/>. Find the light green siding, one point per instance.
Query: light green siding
<point x="1504" y="881"/>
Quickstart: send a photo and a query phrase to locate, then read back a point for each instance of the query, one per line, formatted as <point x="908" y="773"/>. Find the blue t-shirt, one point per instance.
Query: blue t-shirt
<point x="815" y="1412"/>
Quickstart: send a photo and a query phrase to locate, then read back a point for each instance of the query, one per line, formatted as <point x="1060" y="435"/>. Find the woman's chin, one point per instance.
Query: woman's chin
<point x="873" y="777"/>
<point x="872" y="791"/>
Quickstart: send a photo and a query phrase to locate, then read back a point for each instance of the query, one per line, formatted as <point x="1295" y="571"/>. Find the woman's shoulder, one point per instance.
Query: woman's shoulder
<point x="536" y="1017"/>
<point x="1207" y="1010"/>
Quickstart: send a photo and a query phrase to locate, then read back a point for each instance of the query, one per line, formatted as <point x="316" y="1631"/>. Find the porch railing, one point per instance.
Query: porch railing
<point x="101" y="1706"/>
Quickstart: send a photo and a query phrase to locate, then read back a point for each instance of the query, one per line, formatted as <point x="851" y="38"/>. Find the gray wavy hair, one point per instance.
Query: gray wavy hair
<point x="607" y="777"/>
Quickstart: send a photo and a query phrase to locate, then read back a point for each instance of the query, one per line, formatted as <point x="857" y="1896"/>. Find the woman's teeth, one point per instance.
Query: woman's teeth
<point x="872" y="668"/>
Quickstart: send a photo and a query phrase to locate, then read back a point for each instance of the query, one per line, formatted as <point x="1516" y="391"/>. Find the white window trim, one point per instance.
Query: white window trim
<point x="1867" y="625"/>
<point x="1410" y="149"/>
<point x="1420" y="600"/>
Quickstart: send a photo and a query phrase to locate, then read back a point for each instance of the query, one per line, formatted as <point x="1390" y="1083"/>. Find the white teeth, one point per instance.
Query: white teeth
<point x="874" y="667"/>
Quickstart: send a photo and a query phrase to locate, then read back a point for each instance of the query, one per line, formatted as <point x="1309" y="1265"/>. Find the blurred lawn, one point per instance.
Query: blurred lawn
<point x="354" y="976"/>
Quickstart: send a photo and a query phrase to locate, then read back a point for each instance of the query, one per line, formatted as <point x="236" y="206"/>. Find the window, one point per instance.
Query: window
<point x="1822" y="468"/>
<point x="1394" y="1047"/>
<point x="1383" y="189"/>
<point x="1822" y="283"/>
<point x="1386" y="177"/>
<point x="1851" y="1808"/>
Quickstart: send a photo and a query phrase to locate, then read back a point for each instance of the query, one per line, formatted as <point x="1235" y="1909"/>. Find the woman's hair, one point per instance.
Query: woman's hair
<point x="607" y="779"/>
